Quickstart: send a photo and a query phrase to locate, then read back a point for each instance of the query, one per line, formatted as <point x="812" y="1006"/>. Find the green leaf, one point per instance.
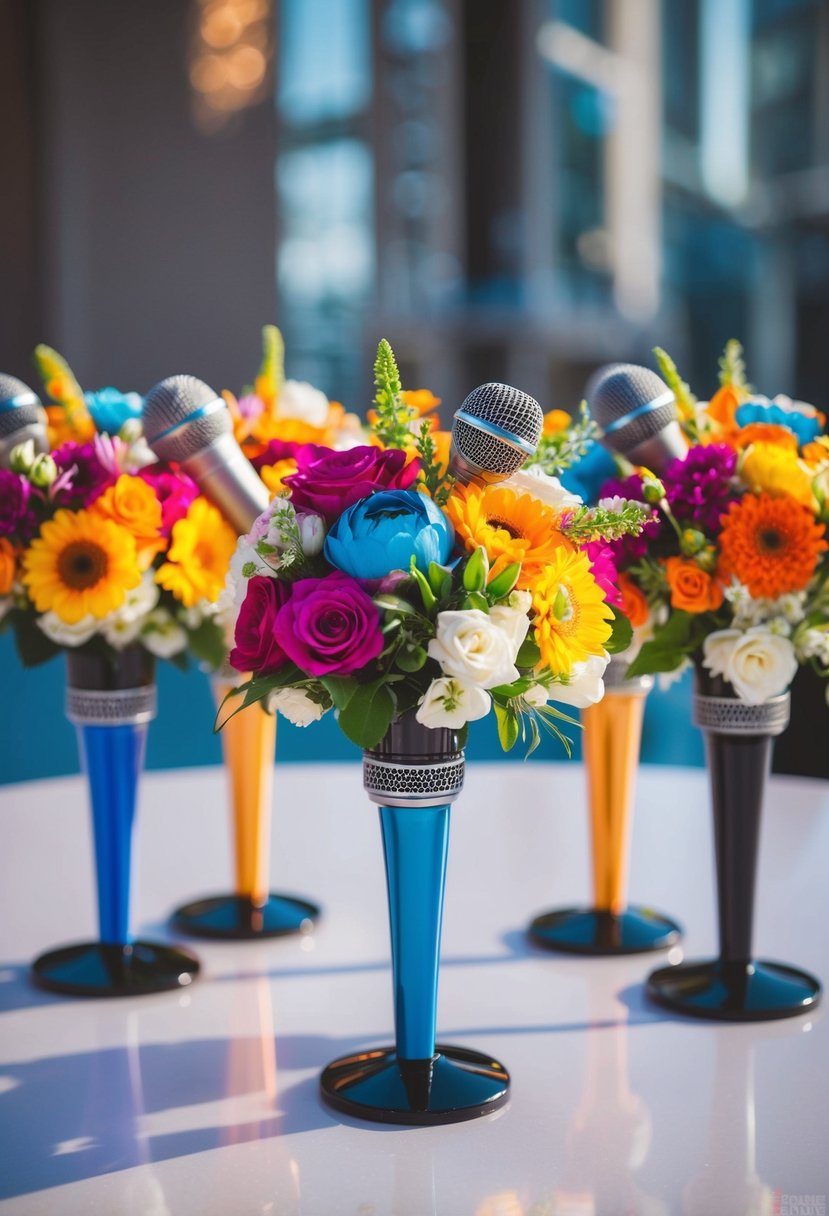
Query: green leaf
<point x="475" y="571"/>
<point x="33" y="646"/>
<point x="476" y="599"/>
<point x="368" y="714"/>
<point x="411" y="658"/>
<point x="622" y="634"/>
<point x="504" y="582"/>
<point x="507" y="720"/>
<point x="651" y="659"/>
<point x="529" y="655"/>
<point x="394" y="603"/>
<point x="426" y="593"/>
<point x="207" y="643"/>
<point x="340" y="689"/>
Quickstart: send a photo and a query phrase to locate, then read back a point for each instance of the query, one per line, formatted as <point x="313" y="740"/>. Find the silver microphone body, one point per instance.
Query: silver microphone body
<point x="657" y="452"/>
<point x="230" y="481"/>
<point x="22" y="417"/>
<point x="494" y="432"/>
<point x="637" y="413"/>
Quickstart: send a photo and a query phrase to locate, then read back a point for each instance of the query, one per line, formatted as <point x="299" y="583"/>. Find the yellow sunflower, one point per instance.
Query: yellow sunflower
<point x="80" y="564"/>
<point x="572" y="619"/>
<point x="511" y="527"/>
<point x="201" y="546"/>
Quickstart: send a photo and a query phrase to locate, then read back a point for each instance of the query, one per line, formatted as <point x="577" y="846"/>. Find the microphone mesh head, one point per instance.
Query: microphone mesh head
<point x="617" y="390"/>
<point x="503" y="406"/>
<point x="18" y="416"/>
<point x="173" y="425"/>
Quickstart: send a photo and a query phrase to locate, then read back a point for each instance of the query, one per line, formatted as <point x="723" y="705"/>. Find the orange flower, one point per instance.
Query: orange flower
<point x="511" y="527"/>
<point x="556" y="421"/>
<point x="766" y="432"/>
<point x="692" y="590"/>
<point x="722" y="408"/>
<point x="634" y="604"/>
<point x="771" y="544"/>
<point x="132" y="503"/>
<point x="816" y="453"/>
<point x="273" y="475"/>
<point x="8" y="565"/>
<point x="421" y="399"/>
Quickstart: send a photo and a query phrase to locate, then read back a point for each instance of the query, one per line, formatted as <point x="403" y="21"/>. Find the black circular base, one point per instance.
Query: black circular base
<point x="236" y="918"/>
<point x="593" y="931"/>
<point x="735" y="992"/>
<point x="456" y="1084"/>
<point x="99" y="969"/>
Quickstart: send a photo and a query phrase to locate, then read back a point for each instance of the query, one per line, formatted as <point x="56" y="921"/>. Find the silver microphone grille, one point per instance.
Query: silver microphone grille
<point x="181" y="416"/>
<point x="19" y="406"/>
<point x="497" y="428"/>
<point x="631" y="404"/>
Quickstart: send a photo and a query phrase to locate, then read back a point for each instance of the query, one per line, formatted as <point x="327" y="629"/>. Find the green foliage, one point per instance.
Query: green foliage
<point x="436" y="480"/>
<point x="622" y="634"/>
<point x="33" y="646"/>
<point x="733" y="367"/>
<point x="558" y="452"/>
<point x="272" y="369"/>
<point x="585" y="524"/>
<point x="685" y="399"/>
<point x="393" y="417"/>
<point x="207" y="643"/>
<point x="680" y="636"/>
<point x="368" y="713"/>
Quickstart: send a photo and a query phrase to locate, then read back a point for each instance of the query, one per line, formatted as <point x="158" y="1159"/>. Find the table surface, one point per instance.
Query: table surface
<point x="206" y="1101"/>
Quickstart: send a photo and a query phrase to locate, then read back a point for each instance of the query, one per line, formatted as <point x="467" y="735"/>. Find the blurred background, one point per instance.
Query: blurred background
<point x="517" y="190"/>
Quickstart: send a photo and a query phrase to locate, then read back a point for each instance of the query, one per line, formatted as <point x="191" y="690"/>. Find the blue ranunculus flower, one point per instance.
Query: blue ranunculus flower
<point x="798" y="417"/>
<point x="385" y="531"/>
<point x="110" y="409"/>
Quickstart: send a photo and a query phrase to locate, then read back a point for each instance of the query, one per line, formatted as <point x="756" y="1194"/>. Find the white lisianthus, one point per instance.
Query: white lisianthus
<point x="140" y="600"/>
<point x="813" y="644"/>
<point x="298" y="399"/>
<point x="791" y="606"/>
<point x="473" y="648"/>
<point x="120" y="631"/>
<point x="295" y="705"/>
<point x="162" y="635"/>
<point x="63" y="634"/>
<point x="758" y="663"/>
<point x="452" y="703"/>
<point x="514" y="622"/>
<point x="546" y="489"/>
<point x="536" y="695"/>
<point x="586" y="684"/>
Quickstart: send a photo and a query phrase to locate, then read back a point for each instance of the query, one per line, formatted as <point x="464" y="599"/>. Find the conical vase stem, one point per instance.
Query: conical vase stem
<point x="737" y="768"/>
<point x="113" y="757"/>
<point x="415" y="842"/>
<point x="612" y="737"/>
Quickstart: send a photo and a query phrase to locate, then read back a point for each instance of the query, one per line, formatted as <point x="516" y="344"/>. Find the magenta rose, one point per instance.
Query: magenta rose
<point x="257" y="648"/>
<point x="174" y="489"/>
<point x="330" y="626"/>
<point x="285" y="449"/>
<point x="16" y="514"/>
<point x="332" y="481"/>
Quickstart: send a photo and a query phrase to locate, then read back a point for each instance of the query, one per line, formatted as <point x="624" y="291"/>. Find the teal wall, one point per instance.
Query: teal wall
<point x="37" y="741"/>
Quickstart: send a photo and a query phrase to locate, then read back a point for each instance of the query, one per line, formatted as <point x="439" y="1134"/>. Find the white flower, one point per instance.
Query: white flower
<point x="586" y="684"/>
<point x="536" y="695"/>
<point x="615" y="504"/>
<point x="162" y="635"/>
<point x="295" y="705"/>
<point x="780" y="626"/>
<point x="452" y="703"/>
<point x="521" y="601"/>
<point x="63" y="634"/>
<point x="312" y="534"/>
<point x="298" y="399"/>
<point x="473" y="648"/>
<point x="140" y="600"/>
<point x="813" y="644"/>
<point x="514" y="622"/>
<point x="758" y="663"/>
<point x="792" y="606"/>
<point x="546" y="489"/>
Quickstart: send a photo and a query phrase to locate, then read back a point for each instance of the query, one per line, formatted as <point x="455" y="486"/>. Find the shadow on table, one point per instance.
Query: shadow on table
<point x="18" y="992"/>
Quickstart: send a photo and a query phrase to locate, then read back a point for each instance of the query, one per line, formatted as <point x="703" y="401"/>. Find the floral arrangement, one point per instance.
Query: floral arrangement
<point x="101" y="546"/>
<point x="731" y="568"/>
<point x="375" y="585"/>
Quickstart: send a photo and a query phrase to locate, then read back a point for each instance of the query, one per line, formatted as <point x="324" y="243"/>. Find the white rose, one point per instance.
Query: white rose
<point x="514" y="622"/>
<point x="758" y="663"/>
<point x="546" y="489"/>
<point x="298" y="399"/>
<point x="63" y="634"/>
<point x="162" y="635"/>
<point x="473" y="648"/>
<point x="120" y="631"/>
<point x="452" y="704"/>
<point x="295" y="705"/>
<point x="586" y="684"/>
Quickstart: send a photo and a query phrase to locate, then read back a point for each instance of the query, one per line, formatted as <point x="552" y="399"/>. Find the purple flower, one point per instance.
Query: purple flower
<point x="174" y="489"/>
<point x="257" y="647"/>
<point x="16" y="514"/>
<point x="81" y="476"/>
<point x="330" y="482"/>
<point x="630" y="549"/>
<point x="329" y="626"/>
<point x="699" y="488"/>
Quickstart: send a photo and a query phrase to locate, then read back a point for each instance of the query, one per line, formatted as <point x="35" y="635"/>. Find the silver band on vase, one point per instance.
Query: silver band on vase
<point x="615" y="680"/>
<point x="731" y="716"/>
<point x="111" y="707"/>
<point x="399" y="784"/>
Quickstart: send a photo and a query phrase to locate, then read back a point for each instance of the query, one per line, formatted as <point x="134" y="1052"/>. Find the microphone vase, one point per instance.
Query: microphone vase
<point x="111" y="703"/>
<point x="251" y="910"/>
<point x="735" y="986"/>
<point x="612" y="737"/>
<point x="414" y="775"/>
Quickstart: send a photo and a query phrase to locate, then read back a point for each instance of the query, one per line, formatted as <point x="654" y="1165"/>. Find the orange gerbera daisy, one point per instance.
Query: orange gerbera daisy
<point x="771" y="544"/>
<point x="766" y="432"/>
<point x="511" y="527"/>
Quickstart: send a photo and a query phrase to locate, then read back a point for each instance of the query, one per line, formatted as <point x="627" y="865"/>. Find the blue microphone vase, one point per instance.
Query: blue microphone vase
<point x="111" y="703"/>
<point x="414" y="775"/>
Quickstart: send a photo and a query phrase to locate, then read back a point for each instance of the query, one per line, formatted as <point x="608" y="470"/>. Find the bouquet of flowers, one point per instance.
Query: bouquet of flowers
<point x="731" y="568"/>
<point x="102" y="546"/>
<point x="374" y="585"/>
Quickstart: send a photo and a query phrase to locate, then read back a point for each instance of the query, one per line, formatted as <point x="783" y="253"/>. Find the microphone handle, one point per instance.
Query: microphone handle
<point x="33" y="430"/>
<point x="657" y="452"/>
<point x="230" y="481"/>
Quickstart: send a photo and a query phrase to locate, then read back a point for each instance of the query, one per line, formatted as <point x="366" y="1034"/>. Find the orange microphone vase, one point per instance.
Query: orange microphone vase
<point x="612" y="736"/>
<point x="253" y="910"/>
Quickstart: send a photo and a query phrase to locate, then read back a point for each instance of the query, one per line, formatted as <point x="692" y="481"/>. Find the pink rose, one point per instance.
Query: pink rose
<point x="329" y="626"/>
<point x="330" y="482"/>
<point x="174" y="489"/>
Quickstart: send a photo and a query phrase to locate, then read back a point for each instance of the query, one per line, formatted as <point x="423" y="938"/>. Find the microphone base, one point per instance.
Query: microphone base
<point x="102" y="969"/>
<point x="733" y="991"/>
<point x="596" y="931"/>
<point x="238" y="918"/>
<point x="456" y="1084"/>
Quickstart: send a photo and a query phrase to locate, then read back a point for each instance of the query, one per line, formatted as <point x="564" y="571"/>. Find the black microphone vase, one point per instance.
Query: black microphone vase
<point x="736" y="986"/>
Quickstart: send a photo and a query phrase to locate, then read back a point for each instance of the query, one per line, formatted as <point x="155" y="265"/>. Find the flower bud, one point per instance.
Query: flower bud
<point x="706" y="559"/>
<point x="691" y="542"/>
<point x="312" y="534"/>
<point x="653" y="490"/>
<point x="43" y="472"/>
<point x="131" y="431"/>
<point x="23" y="457"/>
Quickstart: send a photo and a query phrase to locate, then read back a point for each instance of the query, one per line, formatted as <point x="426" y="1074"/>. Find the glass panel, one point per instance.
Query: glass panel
<point x="324" y="59"/>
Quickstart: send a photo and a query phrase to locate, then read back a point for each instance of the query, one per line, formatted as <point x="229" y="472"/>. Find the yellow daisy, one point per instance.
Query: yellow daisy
<point x="572" y="619"/>
<point x="201" y="546"/>
<point x="776" y="470"/>
<point x="511" y="527"/>
<point x="80" y="564"/>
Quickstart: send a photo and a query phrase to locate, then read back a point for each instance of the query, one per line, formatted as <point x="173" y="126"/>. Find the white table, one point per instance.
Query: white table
<point x="206" y="1101"/>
